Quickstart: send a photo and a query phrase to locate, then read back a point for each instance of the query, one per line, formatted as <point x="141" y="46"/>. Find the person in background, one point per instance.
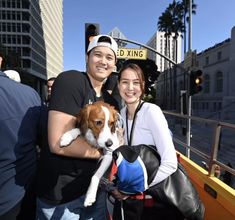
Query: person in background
<point x="64" y="173"/>
<point x="227" y="177"/>
<point x="111" y="86"/>
<point x="111" y="82"/>
<point x="144" y="124"/>
<point x="50" y="82"/>
<point x="12" y="74"/>
<point x="20" y="113"/>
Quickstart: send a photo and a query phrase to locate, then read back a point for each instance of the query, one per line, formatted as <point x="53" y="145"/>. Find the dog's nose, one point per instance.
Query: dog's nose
<point x="109" y="143"/>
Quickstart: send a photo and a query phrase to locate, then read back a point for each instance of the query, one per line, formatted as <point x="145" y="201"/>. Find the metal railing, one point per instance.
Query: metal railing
<point x="217" y="127"/>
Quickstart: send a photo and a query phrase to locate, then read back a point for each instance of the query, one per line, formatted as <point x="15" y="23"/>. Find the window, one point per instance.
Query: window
<point x="206" y="88"/>
<point x="18" y="16"/>
<point x="8" y="27"/>
<point x="219" y="82"/>
<point x="214" y="106"/>
<point x="19" y="51"/>
<point x="203" y="105"/>
<point x="25" y="40"/>
<point x="25" y="28"/>
<point x="4" y="39"/>
<point x="13" y="15"/>
<point x="13" y="27"/>
<point x="25" y="4"/>
<point x="8" y="15"/>
<point x="26" y="63"/>
<point x="3" y="15"/>
<point x="9" y="40"/>
<point x="8" y="3"/>
<point x="18" y="27"/>
<point x="219" y="55"/>
<point x="207" y="60"/>
<point x="4" y="27"/>
<point x="26" y="52"/>
<point x="25" y="16"/>
<point x="13" y="39"/>
<point x="18" y="39"/>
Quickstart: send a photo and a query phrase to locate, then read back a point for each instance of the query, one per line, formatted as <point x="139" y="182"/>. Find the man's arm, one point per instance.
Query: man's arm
<point x="58" y="124"/>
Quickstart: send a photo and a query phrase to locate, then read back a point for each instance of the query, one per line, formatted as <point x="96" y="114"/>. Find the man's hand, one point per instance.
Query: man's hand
<point x="58" y="124"/>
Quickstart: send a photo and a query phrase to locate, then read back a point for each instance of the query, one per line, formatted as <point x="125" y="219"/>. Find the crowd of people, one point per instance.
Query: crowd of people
<point x="53" y="184"/>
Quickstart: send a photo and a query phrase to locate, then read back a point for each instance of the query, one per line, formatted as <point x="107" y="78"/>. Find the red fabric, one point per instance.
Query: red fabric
<point x="149" y="202"/>
<point x="113" y="171"/>
<point x="137" y="196"/>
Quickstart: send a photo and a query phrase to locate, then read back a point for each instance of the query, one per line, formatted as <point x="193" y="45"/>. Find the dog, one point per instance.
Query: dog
<point x="99" y="124"/>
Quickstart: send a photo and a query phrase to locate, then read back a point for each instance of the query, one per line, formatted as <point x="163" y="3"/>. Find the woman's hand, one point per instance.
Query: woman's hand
<point x="120" y="134"/>
<point x="118" y="195"/>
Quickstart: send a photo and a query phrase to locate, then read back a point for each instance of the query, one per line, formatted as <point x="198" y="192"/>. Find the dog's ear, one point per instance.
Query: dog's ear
<point x="115" y="118"/>
<point x="83" y="118"/>
<point x="78" y="116"/>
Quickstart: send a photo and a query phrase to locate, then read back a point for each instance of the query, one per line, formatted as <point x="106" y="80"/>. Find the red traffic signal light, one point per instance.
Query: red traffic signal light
<point x="91" y="30"/>
<point x="195" y="82"/>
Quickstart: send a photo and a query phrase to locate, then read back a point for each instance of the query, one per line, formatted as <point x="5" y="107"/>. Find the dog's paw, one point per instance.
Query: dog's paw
<point x="69" y="136"/>
<point x="89" y="200"/>
<point x="92" y="191"/>
<point x="66" y="139"/>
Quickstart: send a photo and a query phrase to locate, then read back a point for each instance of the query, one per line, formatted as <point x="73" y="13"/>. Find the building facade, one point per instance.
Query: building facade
<point x="217" y="98"/>
<point x="159" y="42"/>
<point x="33" y="30"/>
<point x="171" y="48"/>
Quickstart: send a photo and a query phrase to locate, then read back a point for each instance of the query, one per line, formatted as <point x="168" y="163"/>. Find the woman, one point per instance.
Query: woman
<point x="144" y="124"/>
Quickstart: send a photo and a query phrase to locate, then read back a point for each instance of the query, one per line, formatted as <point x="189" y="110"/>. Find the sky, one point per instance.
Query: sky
<point x="137" y="20"/>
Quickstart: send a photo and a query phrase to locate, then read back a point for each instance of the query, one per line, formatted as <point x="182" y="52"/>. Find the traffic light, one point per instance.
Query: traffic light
<point x="195" y="82"/>
<point x="151" y="76"/>
<point x="91" y="30"/>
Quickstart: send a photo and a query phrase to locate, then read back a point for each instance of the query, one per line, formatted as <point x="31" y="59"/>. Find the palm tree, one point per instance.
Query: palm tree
<point x="185" y="9"/>
<point x="165" y="22"/>
<point x="170" y="22"/>
<point x="178" y="27"/>
<point x="176" y="11"/>
<point x="165" y="25"/>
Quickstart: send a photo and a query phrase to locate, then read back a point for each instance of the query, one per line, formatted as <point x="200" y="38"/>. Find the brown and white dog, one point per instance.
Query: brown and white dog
<point x="98" y="123"/>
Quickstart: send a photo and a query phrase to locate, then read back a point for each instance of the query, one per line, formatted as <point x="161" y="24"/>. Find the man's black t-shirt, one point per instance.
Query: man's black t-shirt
<point x="62" y="179"/>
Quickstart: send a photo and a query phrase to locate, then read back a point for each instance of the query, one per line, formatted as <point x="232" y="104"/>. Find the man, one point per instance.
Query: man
<point x="50" y="82"/>
<point x="65" y="173"/>
<point x="19" y="123"/>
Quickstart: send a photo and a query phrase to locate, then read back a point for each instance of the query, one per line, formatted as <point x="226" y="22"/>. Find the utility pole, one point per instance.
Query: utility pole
<point x="189" y="96"/>
<point x="190" y="27"/>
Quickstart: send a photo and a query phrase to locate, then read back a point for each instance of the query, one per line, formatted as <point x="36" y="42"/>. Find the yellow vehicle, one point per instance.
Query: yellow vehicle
<point x="217" y="196"/>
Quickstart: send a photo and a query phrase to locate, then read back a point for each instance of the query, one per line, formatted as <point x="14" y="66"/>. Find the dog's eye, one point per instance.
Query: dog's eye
<point x="112" y="126"/>
<point x="98" y="123"/>
<point x="111" y="123"/>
